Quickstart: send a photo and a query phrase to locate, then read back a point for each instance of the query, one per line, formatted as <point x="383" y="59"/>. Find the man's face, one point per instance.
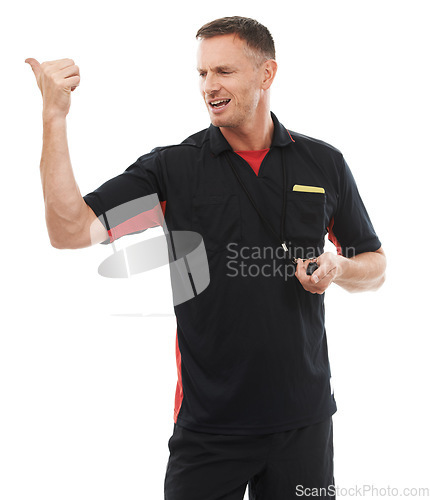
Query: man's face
<point x="230" y="83"/>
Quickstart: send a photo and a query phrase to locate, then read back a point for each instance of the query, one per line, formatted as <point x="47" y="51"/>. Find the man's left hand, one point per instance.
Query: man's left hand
<point x="329" y="268"/>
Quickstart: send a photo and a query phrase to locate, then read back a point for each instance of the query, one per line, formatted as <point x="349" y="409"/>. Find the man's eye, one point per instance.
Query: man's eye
<point x="225" y="72"/>
<point x="202" y="74"/>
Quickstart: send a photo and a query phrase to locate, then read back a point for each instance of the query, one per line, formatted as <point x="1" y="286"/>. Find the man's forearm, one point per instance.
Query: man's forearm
<point x="365" y="271"/>
<point x="64" y="205"/>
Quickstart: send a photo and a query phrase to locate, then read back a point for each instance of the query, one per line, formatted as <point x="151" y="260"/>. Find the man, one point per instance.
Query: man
<point x="253" y="404"/>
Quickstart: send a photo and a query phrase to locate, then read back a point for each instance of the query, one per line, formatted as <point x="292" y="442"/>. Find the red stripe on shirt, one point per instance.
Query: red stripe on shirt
<point x="333" y="238"/>
<point x="144" y="220"/>
<point x="179" y="394"/>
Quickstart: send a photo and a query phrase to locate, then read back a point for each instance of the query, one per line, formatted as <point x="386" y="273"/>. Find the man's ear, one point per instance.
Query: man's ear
<point x="269" y="71"/>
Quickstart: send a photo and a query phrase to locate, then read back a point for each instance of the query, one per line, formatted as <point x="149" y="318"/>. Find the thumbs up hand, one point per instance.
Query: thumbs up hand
<point x="56" y="80"/>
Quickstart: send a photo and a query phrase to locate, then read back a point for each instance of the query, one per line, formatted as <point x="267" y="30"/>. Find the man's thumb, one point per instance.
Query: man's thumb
<point x="35" y="66"/>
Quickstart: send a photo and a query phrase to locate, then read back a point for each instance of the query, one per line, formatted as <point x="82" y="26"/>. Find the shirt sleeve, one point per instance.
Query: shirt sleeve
<point x="132" y="201"/>
<point x="350" y="228"/>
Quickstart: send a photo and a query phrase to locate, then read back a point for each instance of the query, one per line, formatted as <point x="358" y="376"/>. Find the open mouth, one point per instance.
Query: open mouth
<point x="221" y="103"/>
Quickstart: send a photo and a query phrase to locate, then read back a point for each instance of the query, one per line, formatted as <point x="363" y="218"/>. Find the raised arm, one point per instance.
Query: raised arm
<point x="70" y="221"/>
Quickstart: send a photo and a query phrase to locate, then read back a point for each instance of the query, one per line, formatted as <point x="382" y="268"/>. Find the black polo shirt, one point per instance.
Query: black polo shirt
<point x="251" y="348"/>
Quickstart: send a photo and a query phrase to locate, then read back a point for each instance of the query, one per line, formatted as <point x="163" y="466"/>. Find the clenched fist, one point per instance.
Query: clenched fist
<point x="56" y="80"/>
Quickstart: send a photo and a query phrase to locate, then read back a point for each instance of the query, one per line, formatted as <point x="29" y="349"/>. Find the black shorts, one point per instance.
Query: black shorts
<point x="280" y="466"/>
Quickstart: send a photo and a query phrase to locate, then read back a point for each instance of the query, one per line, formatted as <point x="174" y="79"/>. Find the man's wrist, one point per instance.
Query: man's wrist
<point x="52" y="118"/>
<point x="341" y="267"/>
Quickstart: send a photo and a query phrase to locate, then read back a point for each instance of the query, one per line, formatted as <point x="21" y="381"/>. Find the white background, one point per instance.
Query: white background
<point x="87" y="364"/>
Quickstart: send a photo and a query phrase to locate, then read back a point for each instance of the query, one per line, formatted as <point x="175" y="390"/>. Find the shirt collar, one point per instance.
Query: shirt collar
<point x="218" y="143"/>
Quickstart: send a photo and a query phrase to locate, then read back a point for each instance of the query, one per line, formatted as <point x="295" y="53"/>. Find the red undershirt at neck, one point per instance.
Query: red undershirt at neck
<point x="254" y="158"/>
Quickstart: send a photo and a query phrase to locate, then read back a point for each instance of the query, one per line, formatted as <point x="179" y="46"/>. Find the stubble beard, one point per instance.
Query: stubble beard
<point x="232" y="122"/>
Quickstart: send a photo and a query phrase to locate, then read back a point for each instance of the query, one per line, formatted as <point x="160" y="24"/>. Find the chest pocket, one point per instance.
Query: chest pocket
<point x="217" y="218"/>
<point x="305" y="218"/>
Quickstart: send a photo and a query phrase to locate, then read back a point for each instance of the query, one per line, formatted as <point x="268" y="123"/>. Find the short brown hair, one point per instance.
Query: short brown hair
<point x="257" y="36"/>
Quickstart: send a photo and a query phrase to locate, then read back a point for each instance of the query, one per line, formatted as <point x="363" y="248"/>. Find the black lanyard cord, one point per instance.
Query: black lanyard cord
<point x="284" y="201"/>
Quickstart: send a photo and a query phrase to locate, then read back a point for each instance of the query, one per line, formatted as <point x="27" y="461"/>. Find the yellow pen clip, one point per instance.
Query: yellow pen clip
<point x="308" y="189"/>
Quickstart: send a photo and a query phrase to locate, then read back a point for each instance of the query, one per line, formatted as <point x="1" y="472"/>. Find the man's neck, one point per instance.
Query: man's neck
<point x="250" y="137"/>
